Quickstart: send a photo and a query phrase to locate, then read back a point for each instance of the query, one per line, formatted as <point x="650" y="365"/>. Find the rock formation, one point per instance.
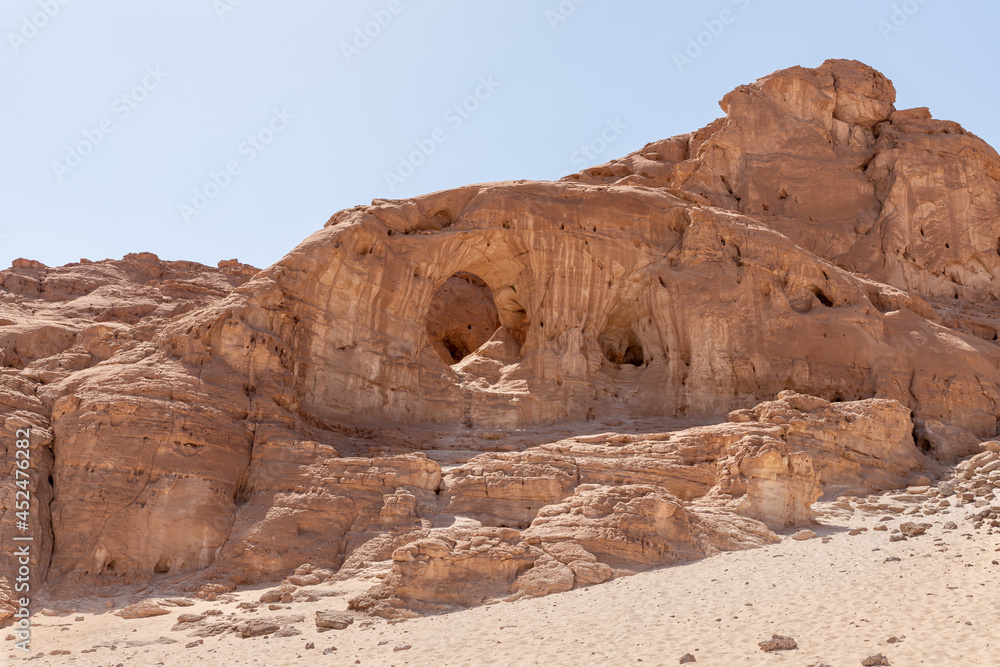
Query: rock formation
<point x="524" y="386"/>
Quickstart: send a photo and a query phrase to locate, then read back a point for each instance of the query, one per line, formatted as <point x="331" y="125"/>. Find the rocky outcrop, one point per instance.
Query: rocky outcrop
<point x="613" y="504"/>
<point x="524" y="385"/>
<point x="55" y="322"/>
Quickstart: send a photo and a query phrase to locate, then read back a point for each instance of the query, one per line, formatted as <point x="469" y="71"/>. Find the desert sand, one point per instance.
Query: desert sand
<point x="926" y="600"/>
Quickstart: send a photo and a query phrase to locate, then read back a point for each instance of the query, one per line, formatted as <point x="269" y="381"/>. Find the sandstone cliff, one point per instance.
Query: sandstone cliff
<point x="525" y="385"/>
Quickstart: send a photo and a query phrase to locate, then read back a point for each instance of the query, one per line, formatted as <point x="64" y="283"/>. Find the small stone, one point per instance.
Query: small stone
<point x="142" y="609"/>
<point x="877" y="659"/>
<point x="803" y="535"/>
<point x="257" y="628"/>
<point x="778" y="643"/>
<point x="336" y="620"/>
<point x="893" y="640"/>
<point x="401" y="647"/>
<point x="310" y="645"/>
<point x="195" y="643"/>
<point x="911" y="529"/>
<point x="78" y="618"/>
<point x="881" y="526"/>
<point x="190" y="618"/>
<point x="897" y="538"/>
<point x="328" y="651"/>
<point x="951" y="525"/>
<point x="179" y="602"/>
<point x="687" y="657"/>
<point x="857" y="531"/>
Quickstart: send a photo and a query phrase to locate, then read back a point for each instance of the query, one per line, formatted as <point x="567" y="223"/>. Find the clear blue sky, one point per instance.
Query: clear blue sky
<point x="115" y="111"/>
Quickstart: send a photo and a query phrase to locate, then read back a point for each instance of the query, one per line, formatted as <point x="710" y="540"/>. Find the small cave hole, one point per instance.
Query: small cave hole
<point x="162" y="566"/>
<point x="621" y="346"/>
<point x="821" y="295"/>
<point x="110" y="566"/>
<point x="463" y="315"/>
<point x="922" y="443"/>
<point x="444" y="218"/>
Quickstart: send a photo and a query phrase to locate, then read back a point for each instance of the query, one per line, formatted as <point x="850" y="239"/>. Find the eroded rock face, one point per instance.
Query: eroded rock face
<point x="359" y="401"/>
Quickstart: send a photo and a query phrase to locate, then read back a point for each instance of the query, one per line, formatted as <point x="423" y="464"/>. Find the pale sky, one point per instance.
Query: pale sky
<point x="218" y="129"/>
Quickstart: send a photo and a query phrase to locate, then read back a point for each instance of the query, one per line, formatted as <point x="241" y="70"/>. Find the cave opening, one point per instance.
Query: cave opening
<point x="463" y="315"/>
<point x="162" y="566"/>
<point x="621" y="346"/>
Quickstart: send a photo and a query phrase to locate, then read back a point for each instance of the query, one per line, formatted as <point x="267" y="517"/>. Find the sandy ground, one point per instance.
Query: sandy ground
<point x="841" y="600"/>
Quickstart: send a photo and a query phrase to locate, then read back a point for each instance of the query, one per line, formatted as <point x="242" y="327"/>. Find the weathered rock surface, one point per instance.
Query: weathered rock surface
<point x="518" y="388"/>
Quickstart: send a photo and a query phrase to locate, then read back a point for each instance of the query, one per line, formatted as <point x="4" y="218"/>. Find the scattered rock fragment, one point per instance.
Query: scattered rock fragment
<point x="910" y="529"/>
<point x="803" y="535"/>
<point x="333" y="620"/>
<point x="190" y="618"/>
<point x="877" y="659"/>
<point x="778" y="643"/>
<point x="178" y="602"/>
<point x="686" y="658"/>
<point x="143" y="609"/>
